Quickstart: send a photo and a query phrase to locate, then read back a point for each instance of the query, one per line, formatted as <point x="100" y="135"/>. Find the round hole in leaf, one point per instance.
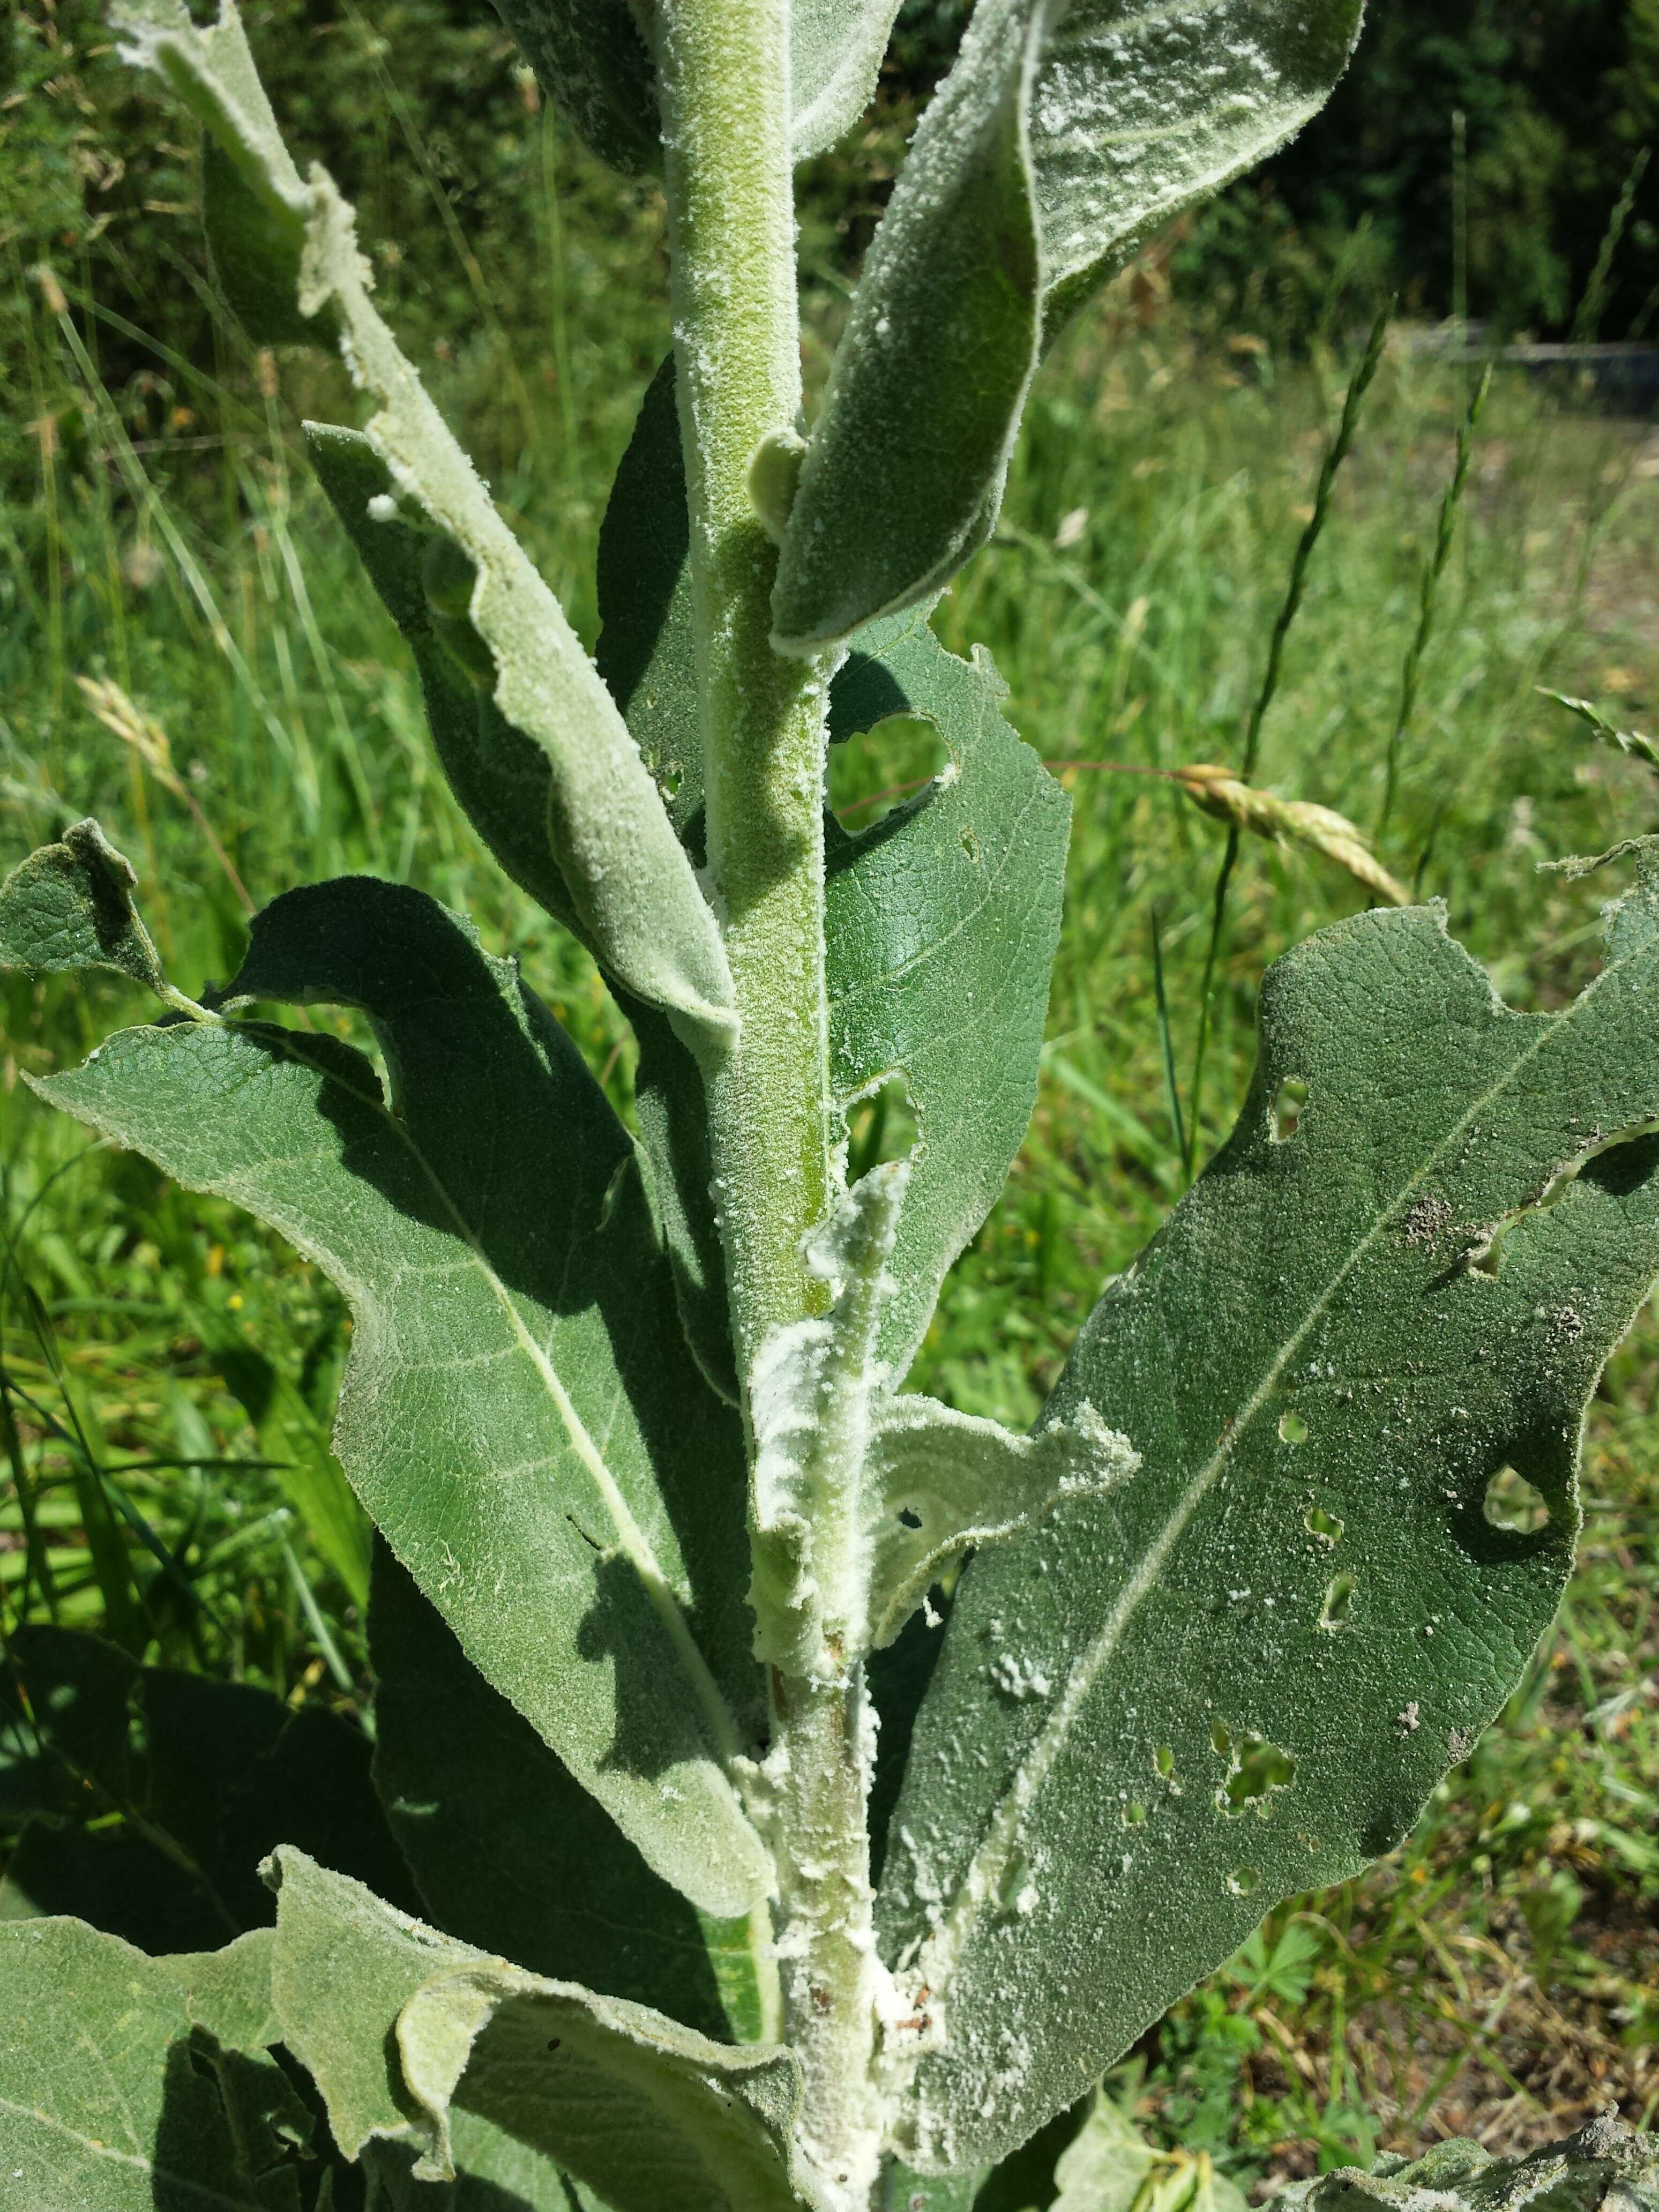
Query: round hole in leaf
<point x="1289" y="1103"/>
<point x="1327" y="1526"/>
<point x="1514" y="1504"/>
<point x="1134" y="1816"/>
<point x="908" y="1517"/>
<point x="1220" y="1742"/>
<point x="1335" y="1613"/>
<point x="1244" y="1881"/>
<point x="1292" y="1429"/>
<point x="1259" y="1768"/>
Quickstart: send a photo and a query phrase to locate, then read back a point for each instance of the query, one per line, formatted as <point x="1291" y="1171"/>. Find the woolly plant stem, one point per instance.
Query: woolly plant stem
<point x="724" y="73"/>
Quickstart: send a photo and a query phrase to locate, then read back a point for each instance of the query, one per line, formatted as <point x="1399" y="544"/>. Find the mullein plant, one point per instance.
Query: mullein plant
<point x="787" y="1790"/>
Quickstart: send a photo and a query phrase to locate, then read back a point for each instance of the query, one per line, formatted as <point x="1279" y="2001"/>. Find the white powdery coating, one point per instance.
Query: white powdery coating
<point x="1134" y="114"/>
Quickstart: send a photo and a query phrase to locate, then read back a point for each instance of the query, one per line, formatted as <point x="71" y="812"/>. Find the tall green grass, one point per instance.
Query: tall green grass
<point x="169" y="1369"/>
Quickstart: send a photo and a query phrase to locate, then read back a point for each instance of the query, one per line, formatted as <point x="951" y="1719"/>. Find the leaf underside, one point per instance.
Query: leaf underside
<point x="1240" y="1674"/>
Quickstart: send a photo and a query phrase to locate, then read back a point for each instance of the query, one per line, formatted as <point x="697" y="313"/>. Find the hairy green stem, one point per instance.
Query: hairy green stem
<point x="723" y="68"/>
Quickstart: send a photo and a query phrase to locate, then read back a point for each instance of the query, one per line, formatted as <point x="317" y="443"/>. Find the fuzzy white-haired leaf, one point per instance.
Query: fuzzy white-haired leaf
<point x="404" y="2029"/>
<point x="70" y="905"/>
<point x="861" y="1498"/>
<point x="938" y="1483"/>
<point x="1356" y="1365"/>
<point x="630" y="883"/>
<point x="520" y="1414"/>
<point x="132" y="2084"/>
<point x="1065" y="134"/>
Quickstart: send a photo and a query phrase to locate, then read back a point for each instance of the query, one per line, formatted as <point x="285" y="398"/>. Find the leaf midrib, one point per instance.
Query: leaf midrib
<point x="38" y="2116"/>
<point x="630" y="1538"/>
<point x="989" y="1864"/>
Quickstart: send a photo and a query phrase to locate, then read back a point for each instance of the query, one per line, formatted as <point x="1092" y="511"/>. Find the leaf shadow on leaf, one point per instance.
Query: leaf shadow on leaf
<point x="500" y="1142"/>
<point x="230" y="2129"/>
<point x="511" y="1854"/>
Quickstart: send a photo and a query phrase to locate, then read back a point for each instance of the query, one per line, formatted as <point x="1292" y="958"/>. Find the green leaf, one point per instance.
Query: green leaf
<point x="670" y="1107"/>
<point x="1110" y="2166"/>
<point x="70" y="906"/>
<point x="1606" y="2164"/>
<point x="1240" y="1675"/>
<point x="901" y="2190"/>
<point x="502" y="777"/>
<point x="631" y="886"/>
<point x="129" y="2084"/>
<point x="1062" y="137"/>
<point x="941" y="926"/>
<point x="589" y="57"/>
<point x="493" y="2173"/>
<point x="256" y="256"/>
<point x="513" y="1854"/>
<point x="399" y="2025"/>
<point x="646" y="647"/>
<point x="836" y="49"/>
<point x="520" y="1416"/>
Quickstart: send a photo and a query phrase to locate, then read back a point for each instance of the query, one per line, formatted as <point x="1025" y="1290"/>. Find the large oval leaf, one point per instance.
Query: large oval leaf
<point x="1355" y="1363"/>
<point x="521" y="1416"/>
<point x="1063" y="137"/>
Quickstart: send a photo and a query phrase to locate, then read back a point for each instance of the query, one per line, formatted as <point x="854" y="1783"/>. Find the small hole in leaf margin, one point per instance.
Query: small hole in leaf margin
<point x="908" y="1517"/>
<point x="1327" y="1526"/>
<point x="1338" y="1608"/>
<point x="1514" y="1504"/>
<point x="1292" y="1429"/>
<point x="1289" y="1103"/>
<point x="1244" y="1881"/>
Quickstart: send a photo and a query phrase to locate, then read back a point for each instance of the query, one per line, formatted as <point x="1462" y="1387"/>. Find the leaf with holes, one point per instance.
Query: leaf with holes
<point x="1063" y="137"/>
<point x="1240" y="1674"/>
<point x="521" y="1416"/>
